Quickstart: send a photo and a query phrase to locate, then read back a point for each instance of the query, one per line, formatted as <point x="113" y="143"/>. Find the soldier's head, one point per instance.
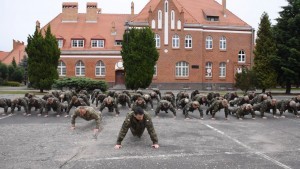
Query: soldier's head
<point x="50" y="100"/>
<point x="147" y="96"/>
<point x="139" y="113"/>
<point x="166" y="104"/>
<point x="225" y="103"/>
<point x="82" y="110"/>
<point x="298" y="97"/>
<point x="109" y="100"/>
<point x="186" y="100"/>
<point x="152" y="94"/>
<point x="62" y="96"/>
<point x="139" y="100"/>
<point x="74" y="99"/>
<point x="292" y="103"/>
<point x="273" y="102"/>
<point x="246" y="98"/>
<point x="265" y="97"/>
<point x="203" y="98"/>
<point x="248" y="106"/>
<point x="195" y="104"/>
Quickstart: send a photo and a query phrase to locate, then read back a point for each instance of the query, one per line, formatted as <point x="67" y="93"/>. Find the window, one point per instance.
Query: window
<point x="153" y="24"/>
<point x="118" y="43"/>
<point x="80" y="68"/>
<point x="172" y="19"/>
<point x="60" y="43"/>
<point x="155" y="70"/>
<point x="77" y="43"/>
<point x="61" y="68"/>
<point x="222" y="69"/>
<point x="100" y="68"/>
<point x="166" y="6"/>
<point x="242" y="56"/>
<point x="182" y="69"/>
<point x="159" y="24"/>
<point x="175" y="41"/>
<point x="209" y="42"/>
<point x="157" y="40"/>
<point x="223" y="43"/>
<point x="178" y="24"/>
<point x="208" y="69"/>
<point x="188" y="41"/>
<point x="212" y="18"/>
<point x="97" y="43"/>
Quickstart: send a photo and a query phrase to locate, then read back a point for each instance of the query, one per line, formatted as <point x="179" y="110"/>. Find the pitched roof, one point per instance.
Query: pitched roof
<point x="194" y="12"/>
<point x="18" y="53"/>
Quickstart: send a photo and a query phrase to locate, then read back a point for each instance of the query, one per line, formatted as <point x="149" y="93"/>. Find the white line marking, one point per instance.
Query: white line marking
<point x="7" y="116"/>
<point x="249" y="148"/>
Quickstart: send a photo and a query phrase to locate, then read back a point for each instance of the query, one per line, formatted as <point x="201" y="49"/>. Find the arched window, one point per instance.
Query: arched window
<point x="175" y="41"/>
<point x="223" y="43"/>
<point x="153" y="24"/>
<point x="100" y="68"/>
<point x="80" y="68"/>
<point x="155" y="70"/>
<point x="159" y="22"/>
<point x="172" y="19"/>
<point x="222" y="69"/>
<point x="178" y="24"/>
<point x="242" y="56"/>
<point x="182" y="69"/>
<point x="209" y="42"/>
<point x="208" y="69"/>
<point x="61" y="68"/>
<point x="157" y="40"/>
<point x="188" y="41"/>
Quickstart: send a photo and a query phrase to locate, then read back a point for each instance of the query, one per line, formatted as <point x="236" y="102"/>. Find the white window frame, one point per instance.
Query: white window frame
<point x="97" y="43"/>
<point x="80" y="68"/>
<point x="159" y="19"/>
<point x="209" y="42"/>
<point x="223" y="44"/>
<point x="222" y="69"/>
<point x="153" y="24"/>
<point x="157" y="41"/>
<point x="179" y="25"/>
<point x="208" y="69"/>
<point x="241" y="56"/>
<point x="61" y="68"/>
<point x="100" y="69"/>
<point x="182" y="69"/>
<point x="155" y="70"/>
<point x="172" y="19"/>
<point x="188" y="41"/>
<point x="175" y="41"/>
<point x="60" y="43"/>
<point x="77" y="43"/>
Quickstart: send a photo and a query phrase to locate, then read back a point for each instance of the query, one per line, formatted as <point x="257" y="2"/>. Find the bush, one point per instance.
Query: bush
<point x="12" y="83"/>
<point x="78" y="83"/>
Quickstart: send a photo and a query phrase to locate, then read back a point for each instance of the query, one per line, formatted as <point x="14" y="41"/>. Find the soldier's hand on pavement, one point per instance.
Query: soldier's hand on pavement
<point x="118" y="146"/>
<point x="73" y="128"/>
<point x="155" y="146"/>
<point x="96" y="131"/>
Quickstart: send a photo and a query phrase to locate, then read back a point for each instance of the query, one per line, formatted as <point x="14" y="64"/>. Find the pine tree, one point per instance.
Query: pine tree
<point x="139" y="55"/>
<point x="14" y="63"/>
<point x="287" y="36"/>
<point x="265" y="51"/>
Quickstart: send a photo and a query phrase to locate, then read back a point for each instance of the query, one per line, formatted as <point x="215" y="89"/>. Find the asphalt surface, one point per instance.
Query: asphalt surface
<point x="38" y="142"/>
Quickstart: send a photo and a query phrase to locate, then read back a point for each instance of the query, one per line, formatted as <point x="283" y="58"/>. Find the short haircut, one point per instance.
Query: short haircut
<point x="138" y="110"/>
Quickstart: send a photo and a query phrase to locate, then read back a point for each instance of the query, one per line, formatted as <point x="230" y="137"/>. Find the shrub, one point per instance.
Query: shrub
<point x="78" y="83"/>
<point x="12" y="83"/>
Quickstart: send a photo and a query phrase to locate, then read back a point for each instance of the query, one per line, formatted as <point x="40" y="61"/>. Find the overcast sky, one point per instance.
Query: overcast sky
<point x="18" y="17"/>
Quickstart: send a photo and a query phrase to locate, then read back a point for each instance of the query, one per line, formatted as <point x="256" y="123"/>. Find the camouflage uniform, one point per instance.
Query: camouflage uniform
<point x="243" y="110"/>
<point x="65" y="96"/>
<point x="157" y="91"/>
<point x="18" y="102"/>
<point x="194" y="93"/>
<point x="182" y="95"/>
<point x="29" y="95"/>
<point x="5" y="103"/>
<point x="148" y="99"/>
<point x="230" y="96"/>
<point x="216" y="106"/>
<point x="258" y="99"/>
<point x="140" y="102"/>
<point x="250" y="94"/>
<point x="137" y="127"/>
<point x="110" y="103"/>
<point x="123" y="99"/>
<point x="53" y="103"/>
<point x="296" y="99"/>
<point x="75" y="102"/>
<point x="165" y="105"/>
<point x="48" y="95"/>
<point x="135" y="96"/>
<point x="154" y="96"/>
<point x="201" y="99"/>
<point x="111" y="93"/>
<point x="239" y="101"/>
<point x="100" y="97"/>
<point x="190" y="107"/>
<point x="95" y="94"/>
<point x="170" y="98"/>
<point x="84" y="98"/>
<point x="287" y="104"/>
<point x="91" y="114"/>
<point x="265" y="106"/>
<point x="38" y="103"/>
<point x="210" y="97"/>
<point x="55" y="93"/>
<point x="181" y="103"/>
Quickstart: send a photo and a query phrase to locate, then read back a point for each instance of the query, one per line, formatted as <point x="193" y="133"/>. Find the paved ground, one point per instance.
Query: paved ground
<point x="38" y="142"/>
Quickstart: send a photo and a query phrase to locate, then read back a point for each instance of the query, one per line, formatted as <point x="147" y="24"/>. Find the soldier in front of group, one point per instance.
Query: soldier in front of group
<point x="165" y="105"/>
<point x="87" y="113"/>
<point x="75" y="101"/>
<point x="216" y="106"/>
<point x="139" y="102"/>
<point x="137" y="120"/>
<point x="190" y="107"/>
<point x="53" y="103"/>
<point x="110" y="103"/>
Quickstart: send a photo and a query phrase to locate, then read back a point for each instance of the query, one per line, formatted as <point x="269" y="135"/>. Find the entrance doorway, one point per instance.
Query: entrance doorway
<point x="120" y="77"/>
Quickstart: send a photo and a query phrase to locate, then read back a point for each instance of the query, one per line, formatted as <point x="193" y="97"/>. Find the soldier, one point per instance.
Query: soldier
<point x="135" y="96"/>
<point x="38" y="103"/>
<point x="48" y="95"/>
<point x="190" y="107"/>
<point x="201" y="99"/>
<point x="216" y="106"/>
<point x="181" y="103"/>
<point x="182" y="95"/>
<point x="194" y="93"/>
<point x="250" y="94"/>
<point x="87" y="113"/>
<point x="258" y="98"/>
<point x="210" y="96"/>
<point x="75" y="101"/>
<point x="122" y="99"/>
<point x="139" y="102"/>
<point x="296" y="99"/>
<point x="95" y="94"/>
<point x="100" y="97"/>
<point x="140" y="92"/>
<point x="239" y="101"/>
<point x="137" y="121"/>
<point x="265" y="106"/>
<point x="84" y="98"/>
<point x="154" y="96"/>
<point x="148" y="99"/>
<point x="110" y="103"/>
<point x="29" y="95"/>
<point x="53" y="103"/>
<point x="5" y="103"/>
<point x="55" y="93"/>
<point x="289" y="105"/>
<point x="230" y="96"/>
<point x="243" y="110"/>
<point x="65" y="96"/>
<point x="18" y="102"/>
<point x="156" y="90"/>
<point x="170" y="98"/>
<point x="127" y="93"/>
<point x="165" y="105"/>
<point x="111" y="93"/>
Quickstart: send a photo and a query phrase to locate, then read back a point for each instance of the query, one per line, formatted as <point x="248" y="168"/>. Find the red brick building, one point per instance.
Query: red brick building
<point x="18" y="52"/>
<point x="201" y="44"/>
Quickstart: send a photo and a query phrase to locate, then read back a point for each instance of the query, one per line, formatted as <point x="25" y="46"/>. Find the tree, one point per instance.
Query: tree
<point x="139" y="55"/>
<point x="13" y="63"/>
<point x="3" y="72"/>
<point x="245" y="80"/>
<point x="264" y="52"/>
<point x="287" y="36"/>
<point x="43" y="54"/>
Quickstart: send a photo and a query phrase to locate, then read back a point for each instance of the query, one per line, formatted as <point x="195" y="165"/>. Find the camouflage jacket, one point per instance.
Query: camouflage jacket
<point x="90" y="114"/>
<point x="131" y="122"/>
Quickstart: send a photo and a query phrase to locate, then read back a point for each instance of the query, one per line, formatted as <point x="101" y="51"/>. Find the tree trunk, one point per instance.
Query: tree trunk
<point x="288" y="87"/>
<point x="41" y="90"/>
<point x="263" y="90"/>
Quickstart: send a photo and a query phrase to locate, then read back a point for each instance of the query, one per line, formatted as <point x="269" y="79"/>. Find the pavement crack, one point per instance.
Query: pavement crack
<point x="74" y="156"/>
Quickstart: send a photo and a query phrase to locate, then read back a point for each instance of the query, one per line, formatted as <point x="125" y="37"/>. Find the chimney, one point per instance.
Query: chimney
<point x="38" y="25"/>
<point x="92" y="12"/>
<point x="132" y="9"/>
<point x="224" y="7"/>
<point x="69" y="11"/>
